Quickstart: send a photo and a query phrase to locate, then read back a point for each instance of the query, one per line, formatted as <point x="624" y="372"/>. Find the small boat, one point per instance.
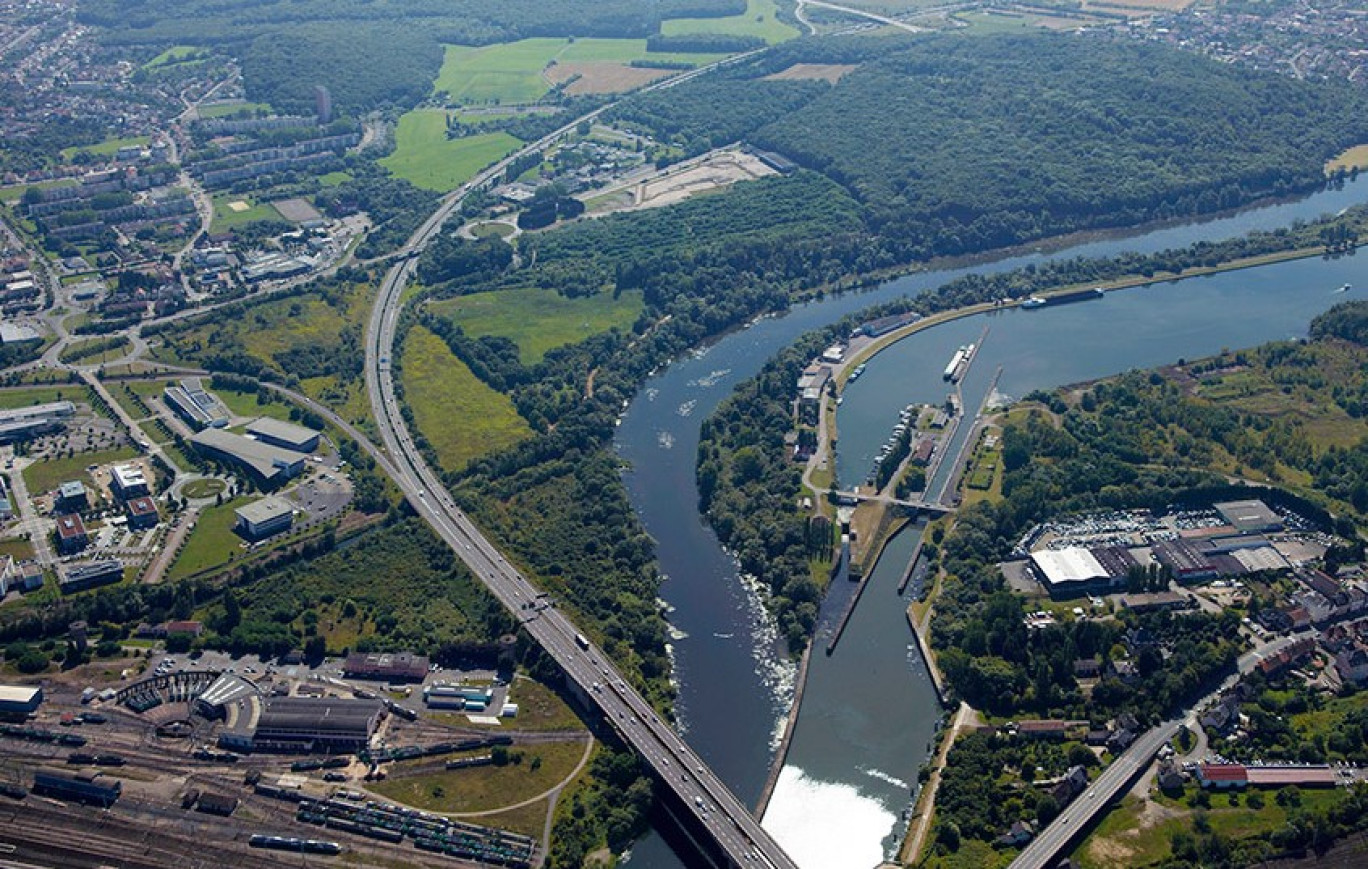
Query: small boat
<point x="1344" y="289"/>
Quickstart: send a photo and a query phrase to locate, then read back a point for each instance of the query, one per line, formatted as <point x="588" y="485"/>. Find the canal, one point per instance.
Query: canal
<point x="869" y="710"/>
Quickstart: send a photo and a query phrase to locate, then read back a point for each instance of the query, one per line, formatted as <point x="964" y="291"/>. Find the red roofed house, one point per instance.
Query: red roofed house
<point x="142" y="512"/>
<point x="71" y="534"/>
<point x="1222" y="776"/>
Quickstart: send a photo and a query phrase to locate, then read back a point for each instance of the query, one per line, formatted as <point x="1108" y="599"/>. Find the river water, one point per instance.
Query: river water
<point x="869" y="710"/>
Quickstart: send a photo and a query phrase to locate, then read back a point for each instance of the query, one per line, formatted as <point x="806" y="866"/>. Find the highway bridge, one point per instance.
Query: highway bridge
<point x="734" y="838"/>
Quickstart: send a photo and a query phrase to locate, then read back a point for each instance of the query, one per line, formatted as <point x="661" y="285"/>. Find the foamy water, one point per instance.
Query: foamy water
<point x="826" y="825"/>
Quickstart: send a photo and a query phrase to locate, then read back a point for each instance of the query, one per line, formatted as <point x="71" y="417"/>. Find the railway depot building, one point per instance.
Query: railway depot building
<point x="386" y="666"/>
<point x="324" y="724"/>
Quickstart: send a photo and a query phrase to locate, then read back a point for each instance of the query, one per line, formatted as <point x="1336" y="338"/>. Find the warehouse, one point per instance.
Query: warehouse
<point x="95" y="790"/>
<point x="261" y="519"/>
<point x="316" y="724"/>
<point x="388" y="666"/>
<point x="23" y="422"/>
<point x="1249" y="517"/>
<point x="1073" y="571"/>
<point x="283" y="434"/>
<point x="20" y="701"/>
<point x="270" y="465"/>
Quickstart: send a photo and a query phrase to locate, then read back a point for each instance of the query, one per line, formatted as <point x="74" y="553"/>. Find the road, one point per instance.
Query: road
<point x="697" y="788"/>
<point x="1056" y="837"/>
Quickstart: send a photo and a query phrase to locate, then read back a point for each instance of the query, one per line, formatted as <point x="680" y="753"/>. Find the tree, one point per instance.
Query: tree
<point x="1047" y="809"/>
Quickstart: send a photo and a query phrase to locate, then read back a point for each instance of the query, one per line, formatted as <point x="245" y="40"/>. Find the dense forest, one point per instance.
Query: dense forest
<point x="934" y="138"/>
<point x="369" y="54"/>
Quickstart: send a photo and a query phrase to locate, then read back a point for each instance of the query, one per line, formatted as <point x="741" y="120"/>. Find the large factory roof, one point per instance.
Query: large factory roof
<point x="317" y="715"/>
<point x="1074" y="564"/>
<point x="262" y="458"/>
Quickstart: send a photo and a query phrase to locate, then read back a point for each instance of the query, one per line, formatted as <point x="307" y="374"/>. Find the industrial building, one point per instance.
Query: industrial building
<point x="261" y="519"/>
<point x="25" y="422"/>
<point x="387" y="666"/>
<point x="141" y="512"/>
<point x="79" y="577"/>
<point x="195" y="404"/>
<point x="1249" y="517"/>
<point x="283" y="434"/>
<point x="128" y="481"/>
<point x="18" y="333"/>
<point x="1074" y="570"/>
<point x="270" y="465"/>
<point x="316" y="724"/>
<point x="226" y="690"/>
<point x="92" y="789"/>
<point x="20" y="701"/>
<point x="71" y="534"/>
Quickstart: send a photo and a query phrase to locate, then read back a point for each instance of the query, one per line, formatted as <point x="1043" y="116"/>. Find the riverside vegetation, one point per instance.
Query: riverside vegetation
<point x="554" y="500"/>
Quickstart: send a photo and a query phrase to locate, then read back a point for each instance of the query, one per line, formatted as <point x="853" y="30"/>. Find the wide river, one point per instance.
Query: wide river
<point x="868" y="711"/>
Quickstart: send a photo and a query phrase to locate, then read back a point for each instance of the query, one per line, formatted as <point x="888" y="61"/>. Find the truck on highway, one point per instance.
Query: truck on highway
<point x="581" y="641"/>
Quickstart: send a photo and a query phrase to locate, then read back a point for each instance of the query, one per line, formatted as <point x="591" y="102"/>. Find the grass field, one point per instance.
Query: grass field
<point x="333" y="179"/>
<point x="540" y="708"/>
<point x="225" y="218"/>
<point x="174" y="55"/>
<point x="425" y="156"/>
<point x="1128" y="836"/>
<point x="205" y="488"/>
<point x="512" y="72"/>
<point x="761" y="19"/>
<point x="105" y="148"/>
<point x="1354" y="158"/>
<point x="16" y="548"/>
<point x="486" y="787"/>
<point x="13" y="398"/>
<point x="538" y="320"/>
<point x="223" y="110"/>
<point x="211" y="543"/>
<point x="458" y="414"/>
<point x="46" y="475"/>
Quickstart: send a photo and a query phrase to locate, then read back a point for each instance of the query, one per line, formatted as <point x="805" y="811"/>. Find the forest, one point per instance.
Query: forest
<point x="930" y="135"/>
<point x="369" y="54"/>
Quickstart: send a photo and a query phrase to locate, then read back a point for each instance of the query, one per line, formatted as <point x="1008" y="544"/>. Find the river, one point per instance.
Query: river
<point x="868" y="710"/>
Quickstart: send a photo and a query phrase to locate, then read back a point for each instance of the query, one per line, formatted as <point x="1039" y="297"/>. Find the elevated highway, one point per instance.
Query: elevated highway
<point x="698" y="794"/>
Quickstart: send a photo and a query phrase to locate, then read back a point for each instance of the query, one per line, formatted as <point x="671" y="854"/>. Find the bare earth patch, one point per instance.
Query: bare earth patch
<point x="296" y="210"/>
<point x="602" y="78"/>
<point x="831" y="72"/>
<point x="238" y="206"/>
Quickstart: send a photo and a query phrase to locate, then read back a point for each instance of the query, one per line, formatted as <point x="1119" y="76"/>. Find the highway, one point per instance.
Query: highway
<point x="710" y="802"/>
<point x="1052" y="841"/>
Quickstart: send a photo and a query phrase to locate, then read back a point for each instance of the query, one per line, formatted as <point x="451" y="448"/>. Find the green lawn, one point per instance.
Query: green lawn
<point x="425" y="156"/>
<point x="459" y="414"/>
<point x="485" y="787"/>
<point x="105" y="148"/>
<point x="174" y="55"/>
<point x="540" y="708"/>
<point x="17" y="548"/>
<point x="205" y="488"/>
<point x="539" y="320"/>
<point x="212" y="543"/>
<point x="761" y="19"/>
<point x="46" y="475"/>
<point x="226" y="218"/>
<point x="333" y="179"/>
<point x="223" y="110"/>
<point x="512" y="72"/>
<point x="14" y="398"/>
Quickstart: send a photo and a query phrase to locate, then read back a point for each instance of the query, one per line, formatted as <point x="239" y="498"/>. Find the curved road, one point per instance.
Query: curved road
<point x="711" y="803"/>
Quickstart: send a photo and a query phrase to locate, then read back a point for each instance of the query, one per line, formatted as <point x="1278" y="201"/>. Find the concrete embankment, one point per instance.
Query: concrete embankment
<point x="781" y="755"/>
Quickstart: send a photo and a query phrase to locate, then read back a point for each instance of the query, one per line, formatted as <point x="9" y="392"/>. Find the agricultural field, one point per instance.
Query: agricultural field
<point x="538" y="320"/>
<point x="460" y="416"/>
<point x="830" y="72"/>
<point x="425" y="157"/>
<point x="516" y="72"/>
<point x="761" y="19"/>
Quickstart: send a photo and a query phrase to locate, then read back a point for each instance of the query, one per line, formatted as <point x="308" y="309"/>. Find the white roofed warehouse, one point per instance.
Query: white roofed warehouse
<point x="19" y="701"/>
<point x="1073" y="571"/>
